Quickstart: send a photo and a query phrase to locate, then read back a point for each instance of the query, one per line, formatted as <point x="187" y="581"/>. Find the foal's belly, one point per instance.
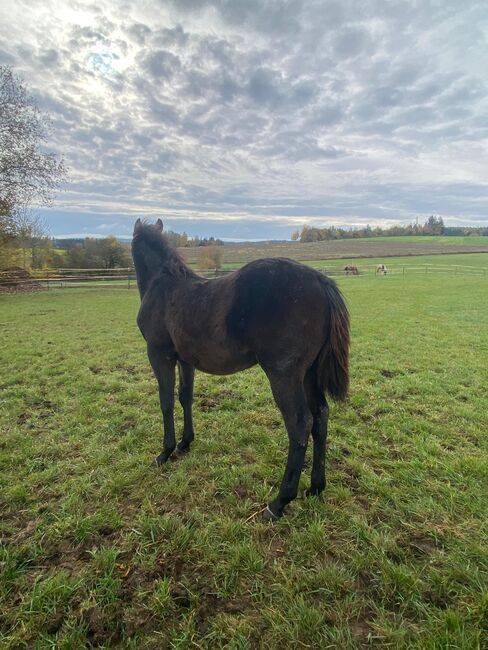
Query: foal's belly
<point x="218" y="362"/>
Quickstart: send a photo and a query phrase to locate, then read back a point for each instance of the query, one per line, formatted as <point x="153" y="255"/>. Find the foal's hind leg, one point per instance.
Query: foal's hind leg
<point x="163" y="364"/>
<point x="290" y="397"/>
<point x="320" y="412"/>
<point x="187" y="376"/>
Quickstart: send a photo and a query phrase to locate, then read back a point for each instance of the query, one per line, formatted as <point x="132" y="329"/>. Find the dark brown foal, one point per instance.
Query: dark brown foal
<point x="287" y="317"/>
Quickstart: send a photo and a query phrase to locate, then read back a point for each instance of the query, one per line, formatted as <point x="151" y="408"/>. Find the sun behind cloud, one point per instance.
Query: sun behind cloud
<point x="225" y="115"/>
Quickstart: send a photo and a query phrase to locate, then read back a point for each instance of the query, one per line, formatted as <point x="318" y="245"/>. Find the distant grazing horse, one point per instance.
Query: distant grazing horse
<point x="381" y="268"/>
<point x="282" y="315"/>
<point x="351" y="270"/>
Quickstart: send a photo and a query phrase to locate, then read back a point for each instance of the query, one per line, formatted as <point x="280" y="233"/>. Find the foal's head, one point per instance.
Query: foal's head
<point x="153" y="254"/>
<point x="147" y="246"/>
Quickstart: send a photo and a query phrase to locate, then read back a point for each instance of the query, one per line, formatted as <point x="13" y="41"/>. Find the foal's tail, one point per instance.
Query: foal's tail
<point x="333" y="359"/>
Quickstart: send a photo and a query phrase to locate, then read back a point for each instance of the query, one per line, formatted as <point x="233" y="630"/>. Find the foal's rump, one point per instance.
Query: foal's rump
<point x="293" y="317"/>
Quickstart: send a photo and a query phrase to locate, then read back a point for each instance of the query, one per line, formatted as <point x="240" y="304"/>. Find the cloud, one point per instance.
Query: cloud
<point x="160" y="64"/>
<point x="310" y="111"/>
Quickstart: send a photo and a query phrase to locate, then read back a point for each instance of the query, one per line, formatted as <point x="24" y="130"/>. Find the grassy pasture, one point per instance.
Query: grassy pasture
<point x="100" y="550"/>
<point x="465" y="263"/>
<point x="442" y="240"/>
<point x="234" y="255"/>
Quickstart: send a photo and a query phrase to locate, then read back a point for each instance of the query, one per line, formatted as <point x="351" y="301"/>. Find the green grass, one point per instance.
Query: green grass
<point x="453" y="264"/>
<point x="98" y="549"/>
<point x="374" y="247"/>
<point x="437" y="239"/>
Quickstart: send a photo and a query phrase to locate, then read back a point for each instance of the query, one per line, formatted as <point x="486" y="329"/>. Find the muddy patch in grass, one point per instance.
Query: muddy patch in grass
<point x="130" y="370"/>
<point x="389" y="374"/>
<point x="422" y="545"/>
<point x="103" y="625"/>
<point x="350" y="475"/>
<point x="228" y="393"/>
<point x="361" y="633"/>
<point x="39" y="408"/>
<point x="208" y="404"/>
<point x="241" y="491"/>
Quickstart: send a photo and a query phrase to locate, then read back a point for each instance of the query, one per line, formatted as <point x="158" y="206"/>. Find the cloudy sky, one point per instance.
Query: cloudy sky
<point x="250" y="118"/>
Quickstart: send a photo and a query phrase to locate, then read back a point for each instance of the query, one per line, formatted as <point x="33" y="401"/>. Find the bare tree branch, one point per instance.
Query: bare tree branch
<point x="28" y="174"/>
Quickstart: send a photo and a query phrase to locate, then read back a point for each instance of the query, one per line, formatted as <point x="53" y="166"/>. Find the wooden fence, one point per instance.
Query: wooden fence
<point x="125" y="277"/>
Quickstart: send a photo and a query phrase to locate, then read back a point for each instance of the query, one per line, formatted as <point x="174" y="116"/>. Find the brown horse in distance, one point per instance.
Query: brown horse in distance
<point x="282" y="315"/>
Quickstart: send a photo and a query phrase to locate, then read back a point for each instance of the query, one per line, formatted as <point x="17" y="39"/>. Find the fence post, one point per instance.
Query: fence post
<point x="128" y="278"/>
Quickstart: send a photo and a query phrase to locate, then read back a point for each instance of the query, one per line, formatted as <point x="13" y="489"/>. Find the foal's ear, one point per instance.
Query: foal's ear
<point x="137" y="226"/>
<point x="159" y="225"/>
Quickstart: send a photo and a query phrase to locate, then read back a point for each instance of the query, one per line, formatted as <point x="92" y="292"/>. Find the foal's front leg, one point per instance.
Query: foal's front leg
<point x="185" y="394"/>
<point x="163" y="363"/>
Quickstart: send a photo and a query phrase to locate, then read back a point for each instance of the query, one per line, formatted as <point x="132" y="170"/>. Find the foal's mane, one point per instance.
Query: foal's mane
<point x="172" y="262"/>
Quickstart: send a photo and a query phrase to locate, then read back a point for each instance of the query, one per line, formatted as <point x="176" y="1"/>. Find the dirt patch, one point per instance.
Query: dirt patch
<point x="27" y="530"/>
<point x="130" y="370"/>
<point x="241" y="491"/>
<point x="421" y="545"/>
<point x="247" y="459"/>
<point x="275" y="547"/>
<point x="226" y="392"/>
<point x="360" y="631"/>
<point x="350" y="476"/>
<point x="43" y="409"/>
<point x="363" y="502"/>
<point x="55" y="623"/>
<point x="208" y="404"/>
<point x="180" y="596"/>
<point x="388" y="374"/>
<point x="365" y="580"/>
<point x="102" y="625"/>
<point x="441" y="599"/>
<point x="128" y="424"/>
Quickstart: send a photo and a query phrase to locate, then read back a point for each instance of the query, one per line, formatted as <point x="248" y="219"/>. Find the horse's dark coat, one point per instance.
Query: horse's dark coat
<point x="287" y="317"/>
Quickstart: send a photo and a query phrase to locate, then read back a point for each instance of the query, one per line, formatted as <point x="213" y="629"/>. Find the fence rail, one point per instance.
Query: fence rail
<point x="125" y="277"/>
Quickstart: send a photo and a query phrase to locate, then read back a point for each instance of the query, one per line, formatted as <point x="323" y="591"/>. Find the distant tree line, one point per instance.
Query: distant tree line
<point x="110" y="253"/>
<point x="30" y="248"/>
<point x="93" y="253"/>
<point x="434" y="225"/>
<point x="182" y="240"/>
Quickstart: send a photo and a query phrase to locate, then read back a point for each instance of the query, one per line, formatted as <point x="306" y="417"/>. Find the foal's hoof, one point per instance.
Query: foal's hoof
<point x="312" y="492"/>
<point x="269" y="516"/>
<point x="161" y="459"/>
